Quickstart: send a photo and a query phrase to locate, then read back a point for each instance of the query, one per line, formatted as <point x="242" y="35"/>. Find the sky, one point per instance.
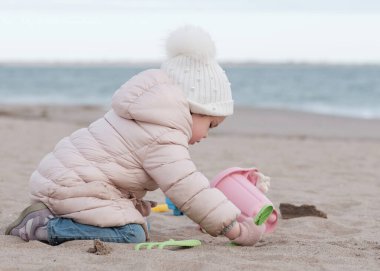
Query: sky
<point x="337" y="31"/>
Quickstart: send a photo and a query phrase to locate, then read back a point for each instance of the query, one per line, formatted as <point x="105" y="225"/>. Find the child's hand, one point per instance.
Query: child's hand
<point x="250" y="233"/>
<point x="144" y="207"/>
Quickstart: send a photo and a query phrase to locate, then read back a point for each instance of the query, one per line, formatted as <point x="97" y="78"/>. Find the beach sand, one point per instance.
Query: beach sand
<point x="330" y="162"/>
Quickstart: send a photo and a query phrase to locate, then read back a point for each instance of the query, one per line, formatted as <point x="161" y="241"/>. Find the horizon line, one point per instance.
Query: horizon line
<point x="145" y="63"/>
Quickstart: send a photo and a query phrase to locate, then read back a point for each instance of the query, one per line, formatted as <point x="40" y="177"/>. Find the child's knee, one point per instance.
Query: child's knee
<point x="134" y="233"/>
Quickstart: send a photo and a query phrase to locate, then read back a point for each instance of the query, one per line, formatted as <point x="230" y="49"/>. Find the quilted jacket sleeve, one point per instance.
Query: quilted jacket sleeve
<point x="171" y="167"/>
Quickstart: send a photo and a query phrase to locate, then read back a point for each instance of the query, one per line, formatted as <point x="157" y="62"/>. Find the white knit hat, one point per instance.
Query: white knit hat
<point x="191" y="64"/>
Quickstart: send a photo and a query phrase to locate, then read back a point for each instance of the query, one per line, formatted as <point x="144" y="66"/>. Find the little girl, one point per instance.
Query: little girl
<point x="91" y="186"/>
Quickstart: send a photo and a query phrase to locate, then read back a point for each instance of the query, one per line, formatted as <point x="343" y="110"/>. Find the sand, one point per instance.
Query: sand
<point x="330" y="162"/>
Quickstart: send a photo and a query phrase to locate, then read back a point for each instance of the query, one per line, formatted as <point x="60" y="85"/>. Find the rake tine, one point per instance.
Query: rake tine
<point x="151" y="245"/>
<point x="138" y="246"/>
<point x="162" y="245"/>
<point x="171" y="242"/>
<point x="144" y="245"/>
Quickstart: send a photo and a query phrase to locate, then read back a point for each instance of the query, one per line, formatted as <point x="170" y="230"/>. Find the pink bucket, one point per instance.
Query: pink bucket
<point x="239" y="186"/>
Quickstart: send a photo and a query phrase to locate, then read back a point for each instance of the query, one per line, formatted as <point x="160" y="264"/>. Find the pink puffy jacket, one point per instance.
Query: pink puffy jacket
<point x="98" y="175"/>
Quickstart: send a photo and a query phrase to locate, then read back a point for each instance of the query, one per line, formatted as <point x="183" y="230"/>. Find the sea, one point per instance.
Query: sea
<point x="338" y="90"/>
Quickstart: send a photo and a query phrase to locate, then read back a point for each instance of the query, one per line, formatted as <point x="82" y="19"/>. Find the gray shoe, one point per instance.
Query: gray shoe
<point x="35" y="216"/>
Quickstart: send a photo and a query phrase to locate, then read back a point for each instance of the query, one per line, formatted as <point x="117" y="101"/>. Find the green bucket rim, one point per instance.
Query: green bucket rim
<point x="263" y="215"/>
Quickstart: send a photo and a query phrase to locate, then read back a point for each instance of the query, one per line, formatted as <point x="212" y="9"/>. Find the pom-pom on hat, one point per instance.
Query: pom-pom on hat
<point x="191" y="64"/>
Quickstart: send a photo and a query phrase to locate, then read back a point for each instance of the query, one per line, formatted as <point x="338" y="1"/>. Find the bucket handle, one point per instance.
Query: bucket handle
<point x="250" y="174"/>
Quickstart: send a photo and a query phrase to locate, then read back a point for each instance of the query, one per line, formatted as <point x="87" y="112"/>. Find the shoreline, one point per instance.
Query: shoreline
<point x="244" y="122"/>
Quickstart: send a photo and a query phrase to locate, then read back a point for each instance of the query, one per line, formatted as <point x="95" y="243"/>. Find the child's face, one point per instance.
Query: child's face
<point x="201" y="124"/>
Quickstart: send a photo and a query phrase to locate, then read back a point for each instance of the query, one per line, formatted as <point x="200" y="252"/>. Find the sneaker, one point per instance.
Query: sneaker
<point x="35" y="216"/>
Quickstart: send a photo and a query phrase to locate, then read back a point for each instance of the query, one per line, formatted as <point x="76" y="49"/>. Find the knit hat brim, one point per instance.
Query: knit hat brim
<point x="225" y="108"/>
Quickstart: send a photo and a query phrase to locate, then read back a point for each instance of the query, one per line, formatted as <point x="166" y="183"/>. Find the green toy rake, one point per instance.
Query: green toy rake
<point x="169" y="243"/>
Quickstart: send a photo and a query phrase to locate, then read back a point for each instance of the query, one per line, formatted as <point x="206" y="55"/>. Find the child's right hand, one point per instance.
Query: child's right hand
<point x="250" y="233"/>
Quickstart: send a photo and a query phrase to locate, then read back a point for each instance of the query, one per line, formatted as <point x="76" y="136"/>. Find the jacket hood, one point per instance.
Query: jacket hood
<point x="152" y="97"/>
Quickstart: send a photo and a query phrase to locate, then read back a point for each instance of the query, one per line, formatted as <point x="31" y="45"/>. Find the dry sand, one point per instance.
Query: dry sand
<point x="330" y="162"/>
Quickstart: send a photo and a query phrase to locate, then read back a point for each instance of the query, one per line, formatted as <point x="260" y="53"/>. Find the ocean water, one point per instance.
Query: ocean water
<point x="344" y="90"/>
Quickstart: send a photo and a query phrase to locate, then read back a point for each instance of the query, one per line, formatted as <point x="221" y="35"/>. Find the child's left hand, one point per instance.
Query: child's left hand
<point x="249" y="233"/>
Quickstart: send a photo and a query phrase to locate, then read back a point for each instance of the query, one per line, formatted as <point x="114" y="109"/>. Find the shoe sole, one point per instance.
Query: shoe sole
<point x="30" y="209"/>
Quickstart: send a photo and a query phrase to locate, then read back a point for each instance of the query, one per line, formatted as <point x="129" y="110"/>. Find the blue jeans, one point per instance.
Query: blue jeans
<point x="65" y="229"/>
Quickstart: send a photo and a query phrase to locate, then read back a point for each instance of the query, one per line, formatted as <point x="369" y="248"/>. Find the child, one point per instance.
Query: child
<point x="91" y="186"/>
